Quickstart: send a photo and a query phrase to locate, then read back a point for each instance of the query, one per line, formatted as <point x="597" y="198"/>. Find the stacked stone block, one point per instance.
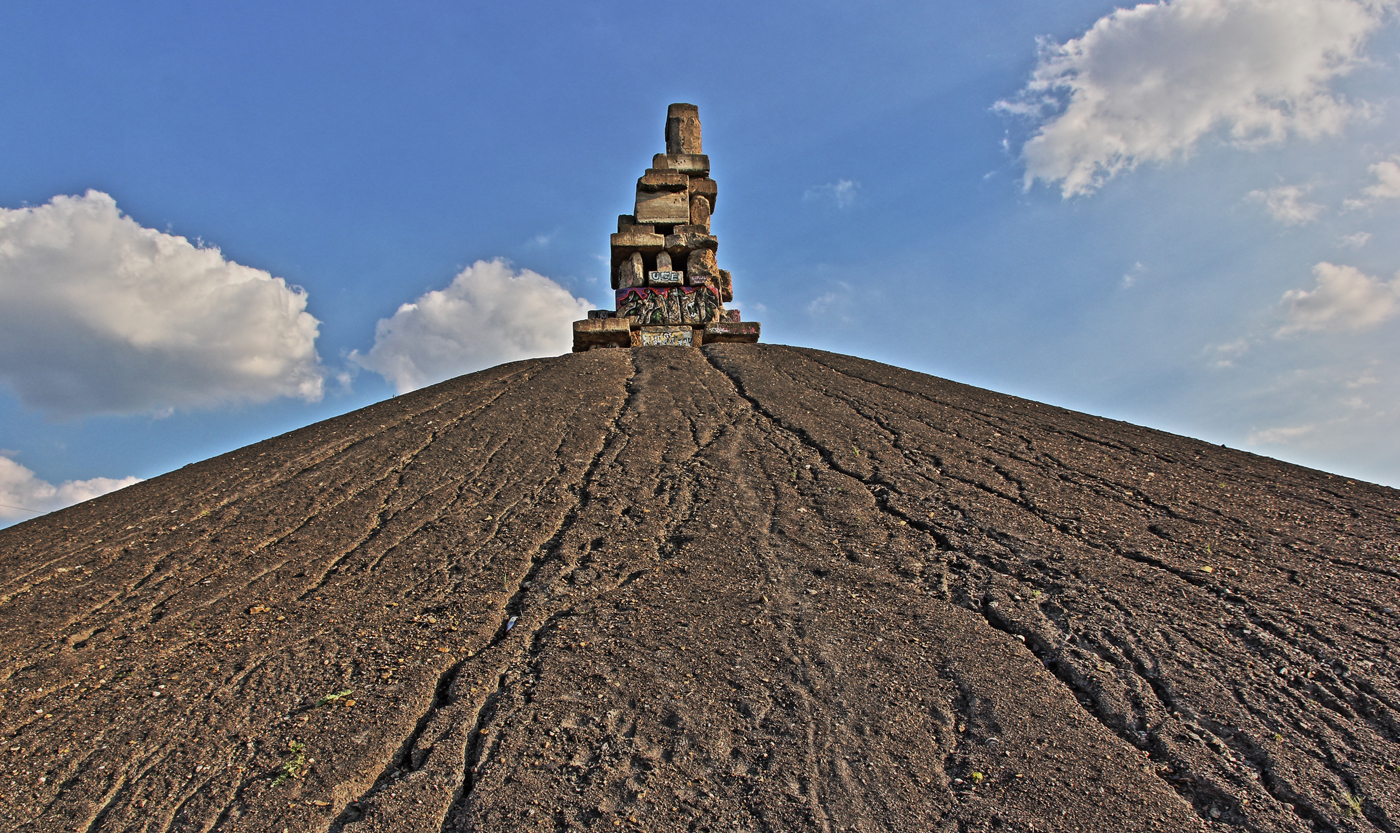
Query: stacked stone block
<point x="668" y="286"/>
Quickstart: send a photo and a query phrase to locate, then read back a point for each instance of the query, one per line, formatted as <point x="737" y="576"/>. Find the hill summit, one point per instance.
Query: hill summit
<point x="733" y="588"/>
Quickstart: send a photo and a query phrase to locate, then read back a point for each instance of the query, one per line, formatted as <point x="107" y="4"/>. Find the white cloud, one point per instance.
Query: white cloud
<point x="489" y="314"/>
<point x="1285" y="204"/>
<point x="1345" y="299"/>
<point x="1146" y="84"/>
<point x="1357" y="240"/>
<point x="842" y="193"/>
<point x="100" y="315"/>
<point x="24" y="496"/>
<point x="1386" y="186"/>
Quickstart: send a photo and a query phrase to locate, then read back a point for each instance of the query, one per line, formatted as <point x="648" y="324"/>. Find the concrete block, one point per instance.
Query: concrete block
<point x="726" y="286"/>
<point x="663" y="262"/>
<point x="649" y="306"/>
<point x="640" y="237"/>
<point x="699" y="211"/>
<point x="602" y="313"/>
<point x="729" y="316"/>
<point x="667" y="337"/>
<point x="707" y="188"/>
<point x="744" y="332"/>
<point x="699" y="305"/>
<point x="663" y="207"/>
<point x="601" y="332"/>
<point x="687" y="238"/>
<point x="661" y="179"/>
<point x="636" y="239"/>
<point x="666" y="278"/>
<point x="625" y="221"/>
<point x="682" y="129"/>
<point x="629" y="272"/>
<point x="700" y="267"/>
<point x="690" y="164"/>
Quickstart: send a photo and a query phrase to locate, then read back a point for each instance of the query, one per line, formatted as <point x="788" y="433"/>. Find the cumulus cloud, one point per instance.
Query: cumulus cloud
<point x="1345" y="299"/>
<point x="1386" y="186"/>
<point x="1285" y="204"/>
<point x="840" y="193"/>
<point x="100" y="315"/>
<point x="489" y="314"/>
<point x="1146" y="84"/>
<point x="24" y="496"/>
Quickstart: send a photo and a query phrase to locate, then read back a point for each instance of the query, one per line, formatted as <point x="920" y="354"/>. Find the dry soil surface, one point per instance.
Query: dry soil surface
<point x="743" y="587"/>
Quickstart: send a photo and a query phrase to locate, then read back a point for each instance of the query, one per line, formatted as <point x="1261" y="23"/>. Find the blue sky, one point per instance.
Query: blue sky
<point x="1182" y="214"/>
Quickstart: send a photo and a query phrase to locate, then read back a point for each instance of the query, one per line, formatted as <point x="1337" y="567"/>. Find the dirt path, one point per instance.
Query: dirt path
<point x="746" y="587"/>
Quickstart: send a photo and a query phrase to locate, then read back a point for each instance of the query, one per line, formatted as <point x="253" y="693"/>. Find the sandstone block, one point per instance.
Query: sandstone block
<point x="601" y="313"/>
<point x="663" y="207"/>
<point x="663" y="262"/>
<point x="690" y="164"/>
<point x="677" y="336"/>
<point x="661" y="179"/>
<point x="650" y="306"/>
<point x="726" y="286"/>
<point x="629" y="272"/>
<point x="601" y="332"/>
<point x="667" y="278"/>
<point x="705" y="187"/>
<point x="744" y="332"/>
<point x="682" y="129"/>
<point x="699" y="211"/>
<point x="625" y="221"/>
<point x="729" y="316"/>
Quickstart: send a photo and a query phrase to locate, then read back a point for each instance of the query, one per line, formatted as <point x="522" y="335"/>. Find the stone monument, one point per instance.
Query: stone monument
<point x="669" y="289"/>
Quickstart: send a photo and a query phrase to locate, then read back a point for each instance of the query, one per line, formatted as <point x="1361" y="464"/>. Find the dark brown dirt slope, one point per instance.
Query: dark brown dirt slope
<point x="738" y="588"/>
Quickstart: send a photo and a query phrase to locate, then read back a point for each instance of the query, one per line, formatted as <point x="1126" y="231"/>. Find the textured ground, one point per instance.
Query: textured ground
<point x="738" y="588"/>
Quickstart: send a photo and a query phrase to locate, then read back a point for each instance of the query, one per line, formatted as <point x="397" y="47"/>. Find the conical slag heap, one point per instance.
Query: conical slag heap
<point x="669" y="288"/>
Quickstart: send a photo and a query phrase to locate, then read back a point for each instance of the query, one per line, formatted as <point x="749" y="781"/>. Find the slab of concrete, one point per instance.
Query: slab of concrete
<point x="663" y="207"/>
<point x="678" y="336"/>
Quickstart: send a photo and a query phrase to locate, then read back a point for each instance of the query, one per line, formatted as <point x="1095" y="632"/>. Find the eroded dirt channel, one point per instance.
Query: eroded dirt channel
<point x="746" y="587"/>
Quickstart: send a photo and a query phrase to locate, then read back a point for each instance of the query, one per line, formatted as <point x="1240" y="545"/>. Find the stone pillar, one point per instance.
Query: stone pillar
<point x="680" y="300"/>
<point x="683" y="129"/>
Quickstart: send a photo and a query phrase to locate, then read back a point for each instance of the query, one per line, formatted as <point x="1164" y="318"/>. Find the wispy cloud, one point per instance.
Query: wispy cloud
<point x="1345" y="299"/>
<point x="1146" y="84"/>
<point x="1356" y="241"/>
<point x="1386" y="186"/>
<point x="488" y="315"/>
<point x="100" y="315"/>
<point x="841" y="193"/>
<point x="1285" y="204"/>
<point x="24" y="496"/>
<point x="1283" y="435"/>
